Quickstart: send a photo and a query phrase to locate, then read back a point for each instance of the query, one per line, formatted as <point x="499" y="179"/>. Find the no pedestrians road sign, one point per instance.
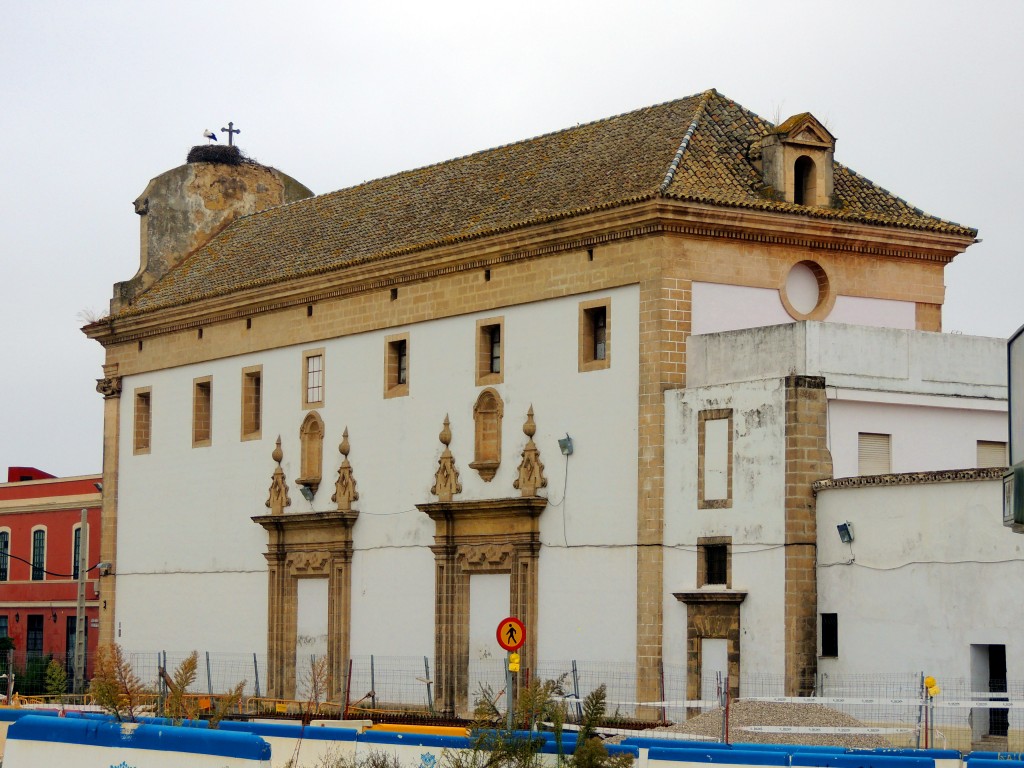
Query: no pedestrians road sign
<point x="511" y="633"/>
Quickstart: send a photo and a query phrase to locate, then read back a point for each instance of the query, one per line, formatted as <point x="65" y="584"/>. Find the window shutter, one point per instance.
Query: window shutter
<point x="874" y="454"/>
<point x="991" y="454"/>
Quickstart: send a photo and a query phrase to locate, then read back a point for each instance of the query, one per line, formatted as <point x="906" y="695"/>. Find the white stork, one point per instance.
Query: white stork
<point x="209" y="135"/>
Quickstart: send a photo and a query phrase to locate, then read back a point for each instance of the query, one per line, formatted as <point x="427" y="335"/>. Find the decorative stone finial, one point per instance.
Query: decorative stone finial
<point x="345" y="488"/>
<point x="530" y="427"/>
<point x="531" y="469"/>
<point x="446" y="480"/>
<point x="278" y="498"/>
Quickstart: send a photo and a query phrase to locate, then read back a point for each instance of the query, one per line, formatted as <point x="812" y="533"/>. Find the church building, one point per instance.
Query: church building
<point x="589" y="380"/>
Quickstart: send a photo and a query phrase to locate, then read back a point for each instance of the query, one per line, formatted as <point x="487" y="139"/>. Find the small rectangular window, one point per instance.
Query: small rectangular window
<point x="76" y="551"/>
<point x="38" y="555"/>
<point x="874" y="453"/>
<point x="202" y="412"/>
<point x="313" y="378"/>
<point x="830" y="635"/>
<point x="5" y="630"/>
<point x="991" y="454"/>
<point x="396" y="366"/>
<point x="143" y="419"/>
<point x="595" y="321"/>
<point x="252" y="402"/>
<point x="5" y="551"/>
<point x="716" y="555"/>
<point x="599" y="318"/>
<point x="402" y="362"/>
<point x="490" y="351"/>
<point x="713" y="561"/>
<point x="494" y="340"/>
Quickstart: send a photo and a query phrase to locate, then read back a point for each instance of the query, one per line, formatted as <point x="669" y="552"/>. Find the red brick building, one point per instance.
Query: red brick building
<point x="40" y="536"/>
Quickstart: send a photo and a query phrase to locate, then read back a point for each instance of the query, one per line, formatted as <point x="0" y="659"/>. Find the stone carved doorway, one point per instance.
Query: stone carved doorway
<point x="313" y="545"/>
<point x="478" y="537"/>
<point x="712" y="615"/>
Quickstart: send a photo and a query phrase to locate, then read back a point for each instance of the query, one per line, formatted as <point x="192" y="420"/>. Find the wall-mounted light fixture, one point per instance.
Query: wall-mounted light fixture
<point x="54" y="616"/>
<point x="17" y="617"/>
<point x="565" y="445"/>
<point x="105" y="568"/>
<point x="845" y="532"/>
<point x="98" y="487"/>
<point x="307" y="492"/>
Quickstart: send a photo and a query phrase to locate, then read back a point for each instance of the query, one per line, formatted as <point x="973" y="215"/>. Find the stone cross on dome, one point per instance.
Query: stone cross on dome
<point x="230" y="131"/>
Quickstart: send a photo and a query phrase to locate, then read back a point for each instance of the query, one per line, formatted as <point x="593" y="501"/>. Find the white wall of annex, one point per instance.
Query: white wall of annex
<point x="931" y="571"/>
<point x="755" y="520"/>
<point x="718" y="307"/>
<point x="187" y="510"/>
<point x="923" y="438"/>
<point x="879" y="313"/>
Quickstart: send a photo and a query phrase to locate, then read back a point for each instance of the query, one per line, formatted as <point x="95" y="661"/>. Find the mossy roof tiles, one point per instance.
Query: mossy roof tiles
<point x="696" y="148"/>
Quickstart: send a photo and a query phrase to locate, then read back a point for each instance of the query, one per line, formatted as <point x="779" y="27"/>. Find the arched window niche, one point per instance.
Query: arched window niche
<point x="487" y="415"/>
<point x="805" y="181"/>
<point x="311" y="437"/>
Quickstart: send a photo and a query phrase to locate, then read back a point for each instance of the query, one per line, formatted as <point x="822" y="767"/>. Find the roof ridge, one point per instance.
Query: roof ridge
<point x="697" y="115"/>
<point x="429" y="166"/>
<point x="507" y="145"/>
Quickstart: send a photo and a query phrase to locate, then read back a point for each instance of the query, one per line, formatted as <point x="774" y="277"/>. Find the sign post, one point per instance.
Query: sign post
<point x="511" y="636"/>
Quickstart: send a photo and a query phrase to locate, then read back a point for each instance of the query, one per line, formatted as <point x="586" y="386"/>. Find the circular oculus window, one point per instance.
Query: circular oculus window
<point x="805" y="289"/>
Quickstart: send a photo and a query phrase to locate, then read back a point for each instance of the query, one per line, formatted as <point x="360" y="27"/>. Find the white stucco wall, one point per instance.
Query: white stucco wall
<point x="718" y="307"/>
<point x="923" y="437"/>
<point x="936" y="394"/>
<point x="191" y="572"/>
<point x="931" y="572"/>
<point x="755" y="520"/>
<point x="853" y="357"/>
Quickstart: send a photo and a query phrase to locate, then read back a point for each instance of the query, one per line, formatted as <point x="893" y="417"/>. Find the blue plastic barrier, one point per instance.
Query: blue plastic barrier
<point x="859" y="760"/>
<point x="93" y="733"/>
<point x="719" y="756"/>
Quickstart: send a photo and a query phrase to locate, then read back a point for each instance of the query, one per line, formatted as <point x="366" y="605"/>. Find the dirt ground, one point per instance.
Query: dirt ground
<point x="748" y="713"/>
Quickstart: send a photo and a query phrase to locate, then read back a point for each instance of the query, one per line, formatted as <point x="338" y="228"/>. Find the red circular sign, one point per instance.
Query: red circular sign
<point x="511" y="633"/>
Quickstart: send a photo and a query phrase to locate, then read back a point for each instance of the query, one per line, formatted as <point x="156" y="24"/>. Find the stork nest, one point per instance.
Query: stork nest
<point x="216" y="153"/>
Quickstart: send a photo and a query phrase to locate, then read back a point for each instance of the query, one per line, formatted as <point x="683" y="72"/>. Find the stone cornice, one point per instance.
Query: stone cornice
<point x="529" y="506"/>
<point x="638" y="219"/>
<point x="307" y="520"/>
<point x="911" y="478"/>
<point x="707" y="596"/>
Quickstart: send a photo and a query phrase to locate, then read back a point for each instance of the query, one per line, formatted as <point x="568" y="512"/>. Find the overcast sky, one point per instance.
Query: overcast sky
<point x="97" y="98"/>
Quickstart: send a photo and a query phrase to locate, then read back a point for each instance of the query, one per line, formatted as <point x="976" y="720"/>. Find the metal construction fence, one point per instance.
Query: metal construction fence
<point x="893" y="707"/>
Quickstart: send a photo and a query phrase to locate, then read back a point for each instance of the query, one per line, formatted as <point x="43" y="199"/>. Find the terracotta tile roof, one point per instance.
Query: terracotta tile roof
<point x="697" y="148"/>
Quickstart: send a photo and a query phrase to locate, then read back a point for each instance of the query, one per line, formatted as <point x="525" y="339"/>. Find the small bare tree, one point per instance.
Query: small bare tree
<point x="226" y="703"/>
<point x="317" y="682"/>
<point x="178" y="706"/>
<point x="115" y="686"/>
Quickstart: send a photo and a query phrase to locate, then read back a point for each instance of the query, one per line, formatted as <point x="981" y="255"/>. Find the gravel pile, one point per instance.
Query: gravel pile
<point x="748" y="713"/>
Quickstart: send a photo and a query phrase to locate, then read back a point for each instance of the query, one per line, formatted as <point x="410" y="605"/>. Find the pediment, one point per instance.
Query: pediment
<point x="805" y="128"/>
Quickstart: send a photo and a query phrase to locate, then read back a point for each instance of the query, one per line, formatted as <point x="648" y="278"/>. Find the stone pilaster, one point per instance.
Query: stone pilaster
<point x="110" y="387"/>
<point x="807" y="460"/>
